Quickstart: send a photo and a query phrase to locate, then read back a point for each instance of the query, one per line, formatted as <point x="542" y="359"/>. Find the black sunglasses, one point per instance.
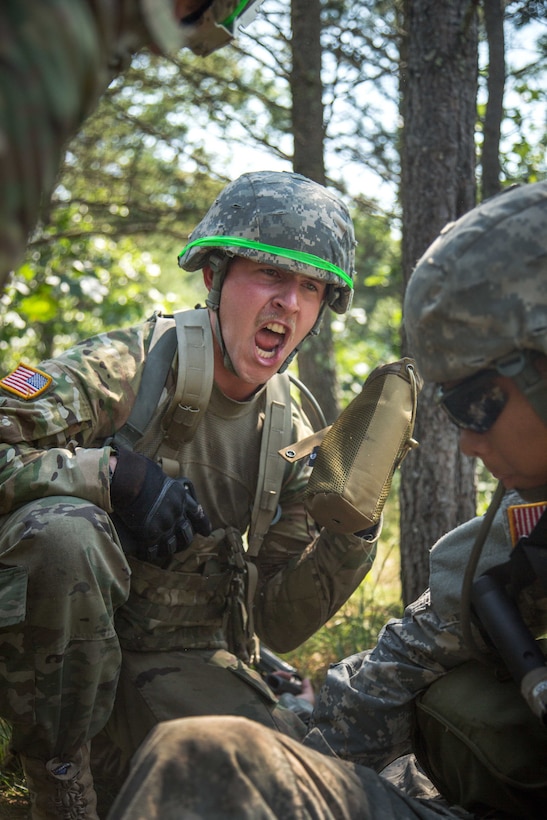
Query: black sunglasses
<point x="475" y="403"/>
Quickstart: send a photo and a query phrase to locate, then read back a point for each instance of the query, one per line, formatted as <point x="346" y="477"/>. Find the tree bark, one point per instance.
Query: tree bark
<point x="316" y="365"/>
<point x="490" y="159"/>
<point x="438" y="105"/>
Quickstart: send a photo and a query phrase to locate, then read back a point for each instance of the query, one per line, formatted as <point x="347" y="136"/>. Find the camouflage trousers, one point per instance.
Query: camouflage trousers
<point x="62" y="576"/>
<point x="160" y="686"/>
<point x="218" y="768"/>
<point x="64" y="676"/>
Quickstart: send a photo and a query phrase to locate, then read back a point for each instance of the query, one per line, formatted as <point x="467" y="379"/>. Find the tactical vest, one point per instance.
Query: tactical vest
<point x="203" y="598"/>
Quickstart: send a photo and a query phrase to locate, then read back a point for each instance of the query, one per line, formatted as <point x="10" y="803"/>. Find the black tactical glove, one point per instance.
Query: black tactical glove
<point x="161" y="513"/>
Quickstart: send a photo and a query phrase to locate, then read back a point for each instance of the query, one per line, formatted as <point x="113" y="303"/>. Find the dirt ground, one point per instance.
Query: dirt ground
<point x="13" y="807"/>
<point x="14" y="803"/>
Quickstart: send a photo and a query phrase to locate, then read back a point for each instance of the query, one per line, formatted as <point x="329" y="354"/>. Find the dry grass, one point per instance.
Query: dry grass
<point x="14" y="803"/>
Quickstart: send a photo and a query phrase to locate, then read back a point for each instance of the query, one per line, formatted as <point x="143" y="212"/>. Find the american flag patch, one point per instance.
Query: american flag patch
<point x="26" y="381"/>
<point x="523" y="518"/>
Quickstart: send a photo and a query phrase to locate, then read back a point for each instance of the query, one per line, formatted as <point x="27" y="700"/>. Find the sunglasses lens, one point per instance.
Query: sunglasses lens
<point x="475" y="403"/>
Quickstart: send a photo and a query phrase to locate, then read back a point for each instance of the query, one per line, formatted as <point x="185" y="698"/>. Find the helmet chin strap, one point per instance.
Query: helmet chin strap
<point x="313" y="332"/>
<point x="219" y="265"/>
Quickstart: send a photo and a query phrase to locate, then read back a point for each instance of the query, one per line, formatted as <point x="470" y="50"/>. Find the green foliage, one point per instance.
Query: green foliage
<point x="139" y="181"/>
<point x="523" y="149"/>
<point x="486" y="486"/>
<point x="524" y="159"/>
<point x="360" y="63"/>
<point x="69" y="290"/>
<point x="169" y="134"/>
<point x="369" y="334"/>
<point x="106" y="255"/>
<point x="523" y="12"/>
<point x="14" y="802"/>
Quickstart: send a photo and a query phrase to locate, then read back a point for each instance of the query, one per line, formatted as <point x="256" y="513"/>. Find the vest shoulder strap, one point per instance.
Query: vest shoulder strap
<point x="276" y="434"/>
<point x="156" y="368"/>
<point x="194" y="376"/>
<point x="191" y="337"/>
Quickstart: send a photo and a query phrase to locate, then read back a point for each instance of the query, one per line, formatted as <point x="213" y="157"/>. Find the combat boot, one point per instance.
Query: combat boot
<point x="61" y="790"/>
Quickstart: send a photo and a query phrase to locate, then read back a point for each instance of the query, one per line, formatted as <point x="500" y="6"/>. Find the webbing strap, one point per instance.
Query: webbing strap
<point x="302" y="448"/>
<point x="275" y="434"/>
<point x="156" y="367"/>
<point x="252" y="583"/>
<point x="194" y="380"/>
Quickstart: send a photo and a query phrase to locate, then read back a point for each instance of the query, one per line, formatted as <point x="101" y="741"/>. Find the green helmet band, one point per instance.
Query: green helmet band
<point x="241" y="14"/>
<point x="286" y="253"/>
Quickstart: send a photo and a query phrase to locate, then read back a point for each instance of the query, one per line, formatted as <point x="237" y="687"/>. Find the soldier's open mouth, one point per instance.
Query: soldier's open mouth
<point x="270" y="339"/>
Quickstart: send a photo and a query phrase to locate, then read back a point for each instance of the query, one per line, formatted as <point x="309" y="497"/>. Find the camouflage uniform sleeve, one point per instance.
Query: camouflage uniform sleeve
<point x="305" y="576"/>
<point x="54" y="444"/>
<point x="58" y="58"/>
<point x="365" y="708"/>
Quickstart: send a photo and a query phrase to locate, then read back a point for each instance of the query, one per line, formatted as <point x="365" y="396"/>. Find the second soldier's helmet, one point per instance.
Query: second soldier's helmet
<point x="211" y="26"/>
<point x="479" y="293"/>
<point x="283" y="219"/>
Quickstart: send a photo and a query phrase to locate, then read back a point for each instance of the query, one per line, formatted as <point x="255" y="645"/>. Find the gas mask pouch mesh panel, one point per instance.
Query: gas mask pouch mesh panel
<point x="354" y="466"/>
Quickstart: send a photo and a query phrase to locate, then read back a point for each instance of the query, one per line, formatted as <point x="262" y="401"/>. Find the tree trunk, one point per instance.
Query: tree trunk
<point x="438" y="105"/>
<point x="316" y="365"/>
<point x="490" y="160"/>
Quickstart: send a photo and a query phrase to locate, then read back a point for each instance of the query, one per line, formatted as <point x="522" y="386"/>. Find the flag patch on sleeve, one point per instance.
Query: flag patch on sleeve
<point x="26" y="381"/>
<point x="523" y="518"/>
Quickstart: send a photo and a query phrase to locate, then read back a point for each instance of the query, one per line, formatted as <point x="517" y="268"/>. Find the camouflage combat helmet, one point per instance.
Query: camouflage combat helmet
<point x="213" y="25"/>
<point x="477" y="298"/>
<point x="283" y="219"/>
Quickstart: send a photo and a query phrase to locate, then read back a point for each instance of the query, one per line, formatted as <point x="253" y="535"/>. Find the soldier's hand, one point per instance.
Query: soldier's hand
<point x="163" y="513"/>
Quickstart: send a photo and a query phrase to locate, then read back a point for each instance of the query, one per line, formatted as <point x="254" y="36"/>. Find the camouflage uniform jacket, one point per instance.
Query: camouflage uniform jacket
<point x="365" y="708"/>
<point x="56" y="445"/>
<point x="77" y="48"/>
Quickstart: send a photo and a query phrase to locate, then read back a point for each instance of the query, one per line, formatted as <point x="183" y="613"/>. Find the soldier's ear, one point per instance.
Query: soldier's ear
<point x="208" y="276"/>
